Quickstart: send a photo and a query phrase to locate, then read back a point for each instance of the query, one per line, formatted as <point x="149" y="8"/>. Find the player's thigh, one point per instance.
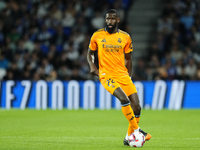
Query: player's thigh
<point x="131" y="91"/>
<point x="129" y="88"/>
<point x="119" y="93"/>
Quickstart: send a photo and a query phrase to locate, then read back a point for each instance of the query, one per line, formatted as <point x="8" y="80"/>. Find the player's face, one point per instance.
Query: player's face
<point x="111" y="22"/>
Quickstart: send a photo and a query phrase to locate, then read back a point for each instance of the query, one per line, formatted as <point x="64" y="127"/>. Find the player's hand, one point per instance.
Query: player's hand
<point x="95" y="72"/>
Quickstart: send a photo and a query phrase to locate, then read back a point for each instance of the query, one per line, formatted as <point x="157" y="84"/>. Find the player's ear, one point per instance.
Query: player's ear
<point x="118" y="20"/>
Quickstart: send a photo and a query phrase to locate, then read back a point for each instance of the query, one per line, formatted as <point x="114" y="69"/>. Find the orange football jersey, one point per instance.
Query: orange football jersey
<point x="111" y="49"/>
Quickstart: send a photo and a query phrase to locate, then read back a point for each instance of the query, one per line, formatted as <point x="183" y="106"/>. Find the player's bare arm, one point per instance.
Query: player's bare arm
<point x="128" y="58"/>
<point x="90" y="59"/>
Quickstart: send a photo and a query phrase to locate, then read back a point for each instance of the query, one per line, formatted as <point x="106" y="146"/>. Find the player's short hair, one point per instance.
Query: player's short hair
<point x="113" y="11"/>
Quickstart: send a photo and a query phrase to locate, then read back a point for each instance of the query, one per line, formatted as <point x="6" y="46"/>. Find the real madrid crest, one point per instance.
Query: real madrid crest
<point x="119" y="40"/>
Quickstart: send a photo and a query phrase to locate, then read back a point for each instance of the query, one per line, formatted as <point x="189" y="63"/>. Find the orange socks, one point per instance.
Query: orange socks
<point x="137" y="119"/>
<point x="128" y="113"/>
<point x="130" y="129"/>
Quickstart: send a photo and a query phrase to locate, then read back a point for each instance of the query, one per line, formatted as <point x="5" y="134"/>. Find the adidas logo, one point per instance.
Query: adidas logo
<point x="103" y="40"/>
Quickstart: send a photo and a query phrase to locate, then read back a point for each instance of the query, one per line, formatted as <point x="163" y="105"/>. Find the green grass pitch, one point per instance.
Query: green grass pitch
<point x="96" y="129"/>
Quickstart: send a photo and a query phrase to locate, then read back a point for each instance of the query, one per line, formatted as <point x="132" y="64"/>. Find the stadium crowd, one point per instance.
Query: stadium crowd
<point x="47" y="39"/>
<point x="175" y="53"/>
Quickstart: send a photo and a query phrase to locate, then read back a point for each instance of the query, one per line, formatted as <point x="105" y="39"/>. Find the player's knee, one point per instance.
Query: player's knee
<point x="137" y="109"/>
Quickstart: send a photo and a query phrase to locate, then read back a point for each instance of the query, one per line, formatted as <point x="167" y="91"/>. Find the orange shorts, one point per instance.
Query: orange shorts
<point x="112" y="83"/>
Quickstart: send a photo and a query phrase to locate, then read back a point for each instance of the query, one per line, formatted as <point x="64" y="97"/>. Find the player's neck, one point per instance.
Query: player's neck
<point x="116" y="30"/>
<point x="112" y="32"/>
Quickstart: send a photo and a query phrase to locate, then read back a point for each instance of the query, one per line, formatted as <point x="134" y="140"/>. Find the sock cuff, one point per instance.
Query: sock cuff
<point x="137" y="130"/>
<point x="125" y="104"/>
<point x="137" y="116"/>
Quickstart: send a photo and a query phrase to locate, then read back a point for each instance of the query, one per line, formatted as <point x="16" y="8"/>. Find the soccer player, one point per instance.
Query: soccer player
<point x="115" y="67"/>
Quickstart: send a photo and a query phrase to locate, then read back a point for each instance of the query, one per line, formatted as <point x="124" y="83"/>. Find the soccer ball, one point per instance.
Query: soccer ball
<point x="136" y="139"/>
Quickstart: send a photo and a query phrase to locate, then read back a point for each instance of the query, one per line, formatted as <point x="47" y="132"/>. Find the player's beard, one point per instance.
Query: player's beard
<point x="111" y="30"/>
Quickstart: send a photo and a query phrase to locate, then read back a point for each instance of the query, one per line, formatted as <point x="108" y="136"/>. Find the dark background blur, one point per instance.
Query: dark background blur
<point x="47" y="39"/>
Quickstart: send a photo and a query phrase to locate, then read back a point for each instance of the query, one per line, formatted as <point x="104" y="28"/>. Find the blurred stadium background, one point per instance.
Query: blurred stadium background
<point x="43" y="47"/>
<point x="48" y="39"/>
